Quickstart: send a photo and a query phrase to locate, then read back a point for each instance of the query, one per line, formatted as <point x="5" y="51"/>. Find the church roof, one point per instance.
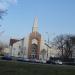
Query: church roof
<point x="12" y="41"/>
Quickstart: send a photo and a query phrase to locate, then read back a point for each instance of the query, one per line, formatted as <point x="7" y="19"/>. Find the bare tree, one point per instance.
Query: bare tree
<point x="58" y="42"/>
<point x="64" y="45"/>
<point x="2" y="13"/>
<point x="2" y="47"/>
<point x="68" y="47"/>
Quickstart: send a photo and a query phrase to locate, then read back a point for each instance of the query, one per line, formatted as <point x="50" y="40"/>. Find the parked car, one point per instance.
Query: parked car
<point x="58" y="62"/>
<point x="50" y="62"/>
<point x="43" y="61"/>
<point x="19" y="59"/>
<point x="26" y="60"/>
<point x="6" y="58"/>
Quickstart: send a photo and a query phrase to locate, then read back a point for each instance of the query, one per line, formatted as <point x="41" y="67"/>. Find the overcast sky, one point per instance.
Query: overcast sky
<point x="54" y="16"/>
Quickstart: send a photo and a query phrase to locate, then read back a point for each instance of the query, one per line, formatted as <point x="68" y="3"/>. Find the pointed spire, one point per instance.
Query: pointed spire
<point x="35" y="25"/>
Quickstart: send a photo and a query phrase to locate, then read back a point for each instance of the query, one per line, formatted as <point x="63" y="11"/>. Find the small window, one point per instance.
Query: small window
<point x="19" y="46"/>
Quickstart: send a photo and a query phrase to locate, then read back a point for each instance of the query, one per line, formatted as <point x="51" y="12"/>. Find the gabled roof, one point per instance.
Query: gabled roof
<point x="12" y="41"/>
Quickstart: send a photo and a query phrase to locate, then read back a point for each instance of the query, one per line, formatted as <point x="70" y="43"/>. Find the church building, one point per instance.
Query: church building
<point x="31" y="47"/>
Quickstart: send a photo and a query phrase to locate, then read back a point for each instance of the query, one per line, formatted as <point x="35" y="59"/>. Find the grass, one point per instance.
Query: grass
<point x="21" y="68"/>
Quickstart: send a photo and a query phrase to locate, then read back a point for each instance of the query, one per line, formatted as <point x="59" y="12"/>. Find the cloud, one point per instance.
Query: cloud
<point x="4" y="4"/>
<point x="12" y="1"/>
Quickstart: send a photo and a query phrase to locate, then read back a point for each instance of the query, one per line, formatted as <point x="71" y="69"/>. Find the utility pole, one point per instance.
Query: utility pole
<point x="47" y="43"/>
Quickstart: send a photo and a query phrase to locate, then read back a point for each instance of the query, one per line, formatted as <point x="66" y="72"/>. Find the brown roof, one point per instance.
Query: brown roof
<point x="12" y="41"/>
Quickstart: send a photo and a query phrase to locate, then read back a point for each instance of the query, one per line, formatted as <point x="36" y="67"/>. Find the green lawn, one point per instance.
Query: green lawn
<point x="21" y="68"/>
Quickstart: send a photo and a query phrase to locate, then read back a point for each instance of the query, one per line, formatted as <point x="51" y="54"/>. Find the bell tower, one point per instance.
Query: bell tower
<point x="34" y="41"/>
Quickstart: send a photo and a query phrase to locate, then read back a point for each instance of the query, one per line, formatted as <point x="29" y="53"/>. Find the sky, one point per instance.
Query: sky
<point x="54" y="16"/>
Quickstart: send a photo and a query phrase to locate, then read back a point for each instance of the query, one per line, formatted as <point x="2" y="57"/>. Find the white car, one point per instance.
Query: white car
<point x="58" y="62"/>
<point x="43" y="61"/>
<point x="25" y="59"/>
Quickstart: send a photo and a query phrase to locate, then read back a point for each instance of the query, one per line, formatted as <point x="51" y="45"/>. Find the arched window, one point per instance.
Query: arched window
<point x="34" y="50"/>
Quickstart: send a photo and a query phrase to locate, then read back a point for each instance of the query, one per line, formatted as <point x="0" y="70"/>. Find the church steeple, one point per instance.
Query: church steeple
<point x="35" y="25"/>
